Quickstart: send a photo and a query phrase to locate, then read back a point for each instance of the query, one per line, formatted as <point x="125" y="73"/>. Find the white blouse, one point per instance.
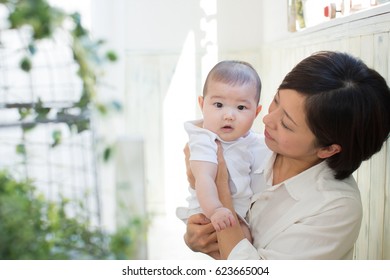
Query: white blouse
<point x="309" y="216"/>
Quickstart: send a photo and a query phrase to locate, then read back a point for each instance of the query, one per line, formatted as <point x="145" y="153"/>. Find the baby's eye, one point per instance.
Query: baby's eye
<point x="218" y="104"/>
<point x="241" y="107"/>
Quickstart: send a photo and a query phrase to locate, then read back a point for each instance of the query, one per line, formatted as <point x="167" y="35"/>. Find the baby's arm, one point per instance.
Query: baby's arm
<point x="206" y="191"/>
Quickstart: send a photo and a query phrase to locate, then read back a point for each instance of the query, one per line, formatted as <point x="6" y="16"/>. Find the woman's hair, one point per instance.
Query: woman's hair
<point x="234" y="72"/>
<point x="347" y="104"/>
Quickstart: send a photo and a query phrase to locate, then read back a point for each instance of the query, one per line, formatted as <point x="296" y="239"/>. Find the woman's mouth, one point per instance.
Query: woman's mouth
<point x="267" y="135"/>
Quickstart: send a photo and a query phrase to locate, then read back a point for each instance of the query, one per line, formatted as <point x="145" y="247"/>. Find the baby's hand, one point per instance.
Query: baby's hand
<point x="222" y="218"/>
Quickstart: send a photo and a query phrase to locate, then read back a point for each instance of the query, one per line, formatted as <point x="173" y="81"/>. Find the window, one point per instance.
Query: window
<point x="307" y="13"/>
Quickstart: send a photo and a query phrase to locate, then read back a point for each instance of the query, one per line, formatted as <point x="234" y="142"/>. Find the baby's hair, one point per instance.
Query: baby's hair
<point x="234" y="72"/>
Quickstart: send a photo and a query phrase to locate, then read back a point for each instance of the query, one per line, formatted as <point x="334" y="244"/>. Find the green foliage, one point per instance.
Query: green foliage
<point x="44" y="21"/>
<point x="124" y="242"/>
<point x="31" y="227"/>
<point x="299" y="13"/>
<point x="36" y="13"/>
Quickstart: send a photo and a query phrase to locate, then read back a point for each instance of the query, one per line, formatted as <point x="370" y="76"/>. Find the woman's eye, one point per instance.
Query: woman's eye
<point x="284" y="125"/>
<point x="241" y="107"/>
<point x="218" y="104"/>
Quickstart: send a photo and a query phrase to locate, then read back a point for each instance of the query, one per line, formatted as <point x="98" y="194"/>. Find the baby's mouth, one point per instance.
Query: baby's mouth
<point x="227" y="128"/>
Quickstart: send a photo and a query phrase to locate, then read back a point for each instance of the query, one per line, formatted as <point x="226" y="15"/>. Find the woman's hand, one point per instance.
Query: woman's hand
<point x="201" y="236"/>
<point x="190" y="176"/>
<point x="222" y="179"/>
<point x="229" y="237"/>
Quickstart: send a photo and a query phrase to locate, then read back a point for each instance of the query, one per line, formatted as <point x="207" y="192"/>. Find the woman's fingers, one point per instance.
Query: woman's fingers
<point x="200" y="235"/>
<point x="190" y="176"/>
<point x="222" y="173"/>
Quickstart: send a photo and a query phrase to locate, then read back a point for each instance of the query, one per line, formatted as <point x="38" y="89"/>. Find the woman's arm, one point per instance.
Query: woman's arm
<point x="229" y="237"/>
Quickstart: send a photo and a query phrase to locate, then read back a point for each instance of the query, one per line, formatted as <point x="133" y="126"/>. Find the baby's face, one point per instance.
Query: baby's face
<point x="229" y="111"/>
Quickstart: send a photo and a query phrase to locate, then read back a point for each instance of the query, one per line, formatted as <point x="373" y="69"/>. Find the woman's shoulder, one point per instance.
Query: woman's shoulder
<point x="334" y="190"/>
<point x="319" y="182"/>
<point x="326" y="196"/>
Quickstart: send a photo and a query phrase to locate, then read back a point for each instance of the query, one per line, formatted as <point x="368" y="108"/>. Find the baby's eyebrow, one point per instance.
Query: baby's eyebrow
<point x="217" y="97"/>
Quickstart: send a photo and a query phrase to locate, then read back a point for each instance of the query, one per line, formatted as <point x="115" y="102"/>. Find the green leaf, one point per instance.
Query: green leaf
<point x="107" y="153"/>
<point x="101" y="108"/>
<point x="24" y="113"/>
<point x="28" y="126"/>
<point x="111" y="56"/>
<point x="57" y="138"/>
<point x="82" y="125"/>
<point x="32" y="48"/>
<point x="21" y="149"/>
<point x="85" y="99"/>
<point x="41" y="111"/>
<point x="26" y="64"/>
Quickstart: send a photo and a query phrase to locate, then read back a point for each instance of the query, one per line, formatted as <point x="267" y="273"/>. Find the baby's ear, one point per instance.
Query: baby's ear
<point x="258" y="110"/>
<point x="200" y="101"/>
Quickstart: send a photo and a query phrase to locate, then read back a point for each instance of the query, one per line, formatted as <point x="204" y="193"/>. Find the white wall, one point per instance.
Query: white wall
<point x="274" y="14"/>
<point x="155" y="25"/>
<point x="159" y="26"/>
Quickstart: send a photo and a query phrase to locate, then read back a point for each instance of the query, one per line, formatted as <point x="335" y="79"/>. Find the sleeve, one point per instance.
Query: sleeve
<point x="244" y="250"/>
<point x="203" y="146"/>
<point x="330" y="234"/>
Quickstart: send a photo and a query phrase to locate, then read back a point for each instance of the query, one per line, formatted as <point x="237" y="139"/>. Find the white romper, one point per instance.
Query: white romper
<point x="239" y="156"/>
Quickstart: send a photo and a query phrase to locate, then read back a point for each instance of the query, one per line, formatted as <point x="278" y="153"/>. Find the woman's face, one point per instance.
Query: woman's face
<point x="286" y="131"/>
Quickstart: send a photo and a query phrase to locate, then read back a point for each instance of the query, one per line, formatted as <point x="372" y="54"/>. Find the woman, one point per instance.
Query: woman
<point x="329" y="114"/>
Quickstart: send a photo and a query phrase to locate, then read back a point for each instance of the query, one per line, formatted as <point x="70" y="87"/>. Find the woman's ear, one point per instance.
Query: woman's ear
<point x="328" y="151"/>
<point x="200" y="101"/>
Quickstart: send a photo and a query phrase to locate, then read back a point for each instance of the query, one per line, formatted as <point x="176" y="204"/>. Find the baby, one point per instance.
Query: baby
<point x="229" y="105"/>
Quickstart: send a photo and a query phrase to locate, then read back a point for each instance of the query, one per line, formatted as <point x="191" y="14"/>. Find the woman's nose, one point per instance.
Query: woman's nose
<point x="266" y="119"/>
<point x="270" y="119"/>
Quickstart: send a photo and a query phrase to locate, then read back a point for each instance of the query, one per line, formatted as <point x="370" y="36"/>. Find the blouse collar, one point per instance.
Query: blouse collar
<point x="297" y="186"/>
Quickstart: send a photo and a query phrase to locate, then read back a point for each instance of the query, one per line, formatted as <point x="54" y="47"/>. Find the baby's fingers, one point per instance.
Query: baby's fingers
<point x="232" y="220"/>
